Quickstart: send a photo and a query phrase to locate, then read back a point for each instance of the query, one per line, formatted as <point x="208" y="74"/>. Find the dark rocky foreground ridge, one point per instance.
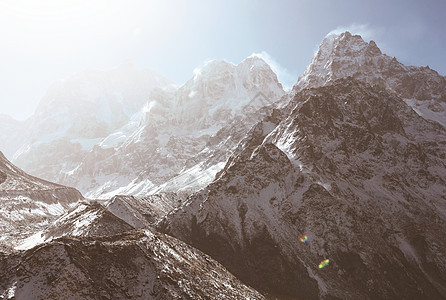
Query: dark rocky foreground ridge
<point x="89" y="253"/>
<point x="83" y="251"/>
<point x="132" y="265"/>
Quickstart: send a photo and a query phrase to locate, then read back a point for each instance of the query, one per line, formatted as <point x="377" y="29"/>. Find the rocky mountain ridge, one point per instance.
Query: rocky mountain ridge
<point x="346" y="55"/>
<point x="131" y="265"/>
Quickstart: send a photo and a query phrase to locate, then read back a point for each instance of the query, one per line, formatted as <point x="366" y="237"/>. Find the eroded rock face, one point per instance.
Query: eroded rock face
<point x="352" y="167"/>
<point x="133" y="265"/>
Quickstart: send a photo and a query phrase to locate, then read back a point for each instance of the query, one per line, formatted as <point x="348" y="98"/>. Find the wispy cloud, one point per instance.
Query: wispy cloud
<point x="364" y="30"/>
<point x="367" y="32"/>
<point x="286" y="78"/>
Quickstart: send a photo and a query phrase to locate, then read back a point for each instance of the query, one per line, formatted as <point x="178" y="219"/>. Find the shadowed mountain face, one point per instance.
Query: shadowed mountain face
<point x="352" y="167"/>
<point x="28" y="204"/>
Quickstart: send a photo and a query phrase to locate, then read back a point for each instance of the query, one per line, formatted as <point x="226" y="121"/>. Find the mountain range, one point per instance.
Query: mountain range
<point x="230" y="187"/>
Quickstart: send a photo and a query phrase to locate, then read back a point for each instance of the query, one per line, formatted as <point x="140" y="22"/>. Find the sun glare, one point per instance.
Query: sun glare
<point x="64" y="26"/>
<point x="48" y="23"/>
<point x="51" y="10"/>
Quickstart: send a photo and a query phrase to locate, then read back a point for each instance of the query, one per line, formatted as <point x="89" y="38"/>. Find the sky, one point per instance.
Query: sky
<point x="48" y="40"/>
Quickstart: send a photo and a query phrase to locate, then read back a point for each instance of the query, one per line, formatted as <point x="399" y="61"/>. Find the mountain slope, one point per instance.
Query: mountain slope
<point x="89" y="253"/>
<point x="143" y="212"/>
<point x="9" y="127"/>
<point x="85" y="220"/>
<point x="350" y="166"/>
<point x="28" y="203"/>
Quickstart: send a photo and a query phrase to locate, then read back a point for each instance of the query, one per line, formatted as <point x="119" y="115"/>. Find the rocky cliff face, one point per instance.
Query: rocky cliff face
<point x="352" y="167"/>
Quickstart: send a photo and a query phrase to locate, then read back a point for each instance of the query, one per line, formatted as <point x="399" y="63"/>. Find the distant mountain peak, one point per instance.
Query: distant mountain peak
<point x="218" y="66"/>
<point x="213" y="64"/>
<point x="255" y="60"/>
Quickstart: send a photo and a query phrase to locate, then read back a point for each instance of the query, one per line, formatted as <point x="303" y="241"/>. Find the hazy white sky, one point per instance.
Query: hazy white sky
<point x="43" y="41"/>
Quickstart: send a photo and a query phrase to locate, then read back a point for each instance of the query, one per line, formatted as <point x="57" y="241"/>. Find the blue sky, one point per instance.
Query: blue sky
<point x="44" y="41"/>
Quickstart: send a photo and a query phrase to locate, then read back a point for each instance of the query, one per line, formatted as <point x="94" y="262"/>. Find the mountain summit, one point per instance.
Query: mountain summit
<point x="345" y="55"/>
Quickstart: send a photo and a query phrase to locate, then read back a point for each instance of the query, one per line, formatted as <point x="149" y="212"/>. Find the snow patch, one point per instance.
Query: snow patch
<point x="429" y="109"/>
<point x="32" y="241"/>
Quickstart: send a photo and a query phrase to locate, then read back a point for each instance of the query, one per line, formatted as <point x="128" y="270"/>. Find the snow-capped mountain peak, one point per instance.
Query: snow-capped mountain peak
<point x="346" y="55"/>
<point x="172" y="141"/>
<point x="219" y="79"/>
<point x="338" y="56"/>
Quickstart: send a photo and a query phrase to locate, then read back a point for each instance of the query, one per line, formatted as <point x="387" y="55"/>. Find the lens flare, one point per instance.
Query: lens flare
<point x="303" y="238"/>
<point x="324" y="263"/>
